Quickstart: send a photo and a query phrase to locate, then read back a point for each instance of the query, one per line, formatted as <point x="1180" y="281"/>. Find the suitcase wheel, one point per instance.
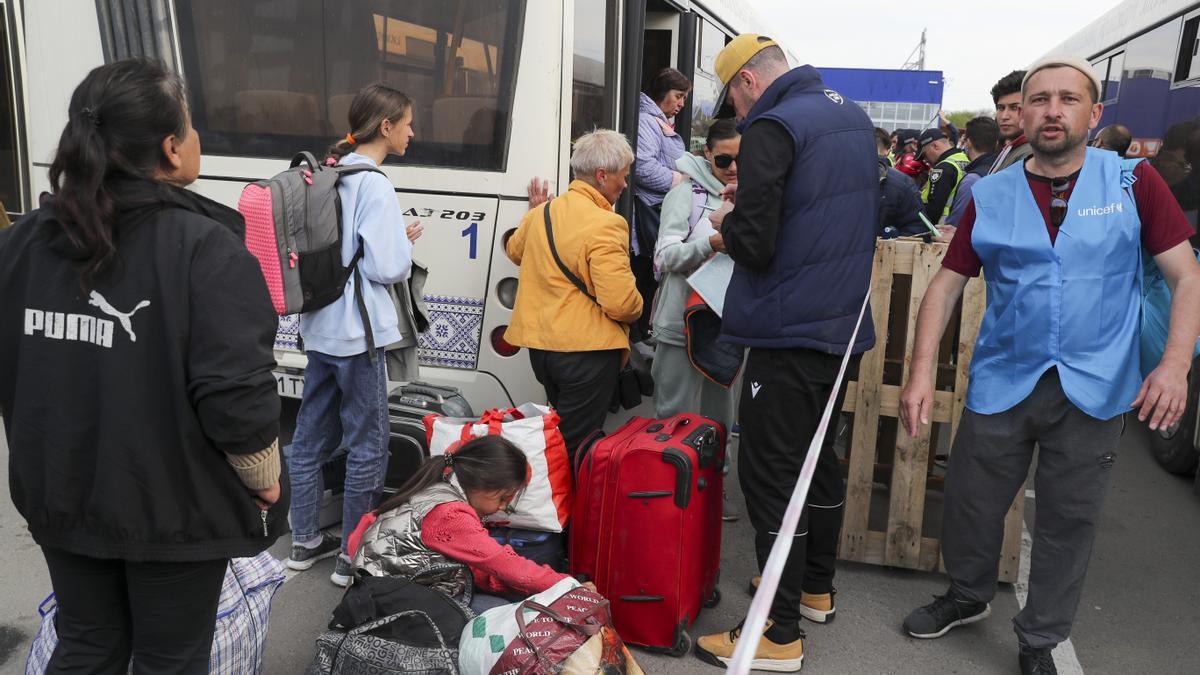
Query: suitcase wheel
<point x="713" y="600"/>
<point x="683" y="643"/>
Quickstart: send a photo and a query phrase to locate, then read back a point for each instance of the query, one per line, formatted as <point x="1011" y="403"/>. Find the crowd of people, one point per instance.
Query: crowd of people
<point x="144" y="453"/>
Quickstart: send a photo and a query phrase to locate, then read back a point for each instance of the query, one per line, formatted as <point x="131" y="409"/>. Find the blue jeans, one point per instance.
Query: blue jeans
<point x="344" y="406"/>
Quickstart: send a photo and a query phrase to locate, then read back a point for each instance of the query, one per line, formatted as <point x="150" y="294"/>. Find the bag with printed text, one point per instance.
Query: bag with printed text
<point x="565" y="629"/>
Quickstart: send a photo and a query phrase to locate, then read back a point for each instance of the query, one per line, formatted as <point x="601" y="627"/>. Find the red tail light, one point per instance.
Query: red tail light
<point x="500" y="345"/>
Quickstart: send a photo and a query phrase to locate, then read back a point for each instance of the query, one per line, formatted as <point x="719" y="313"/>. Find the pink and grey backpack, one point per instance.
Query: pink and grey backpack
<point x="294" y="229"/>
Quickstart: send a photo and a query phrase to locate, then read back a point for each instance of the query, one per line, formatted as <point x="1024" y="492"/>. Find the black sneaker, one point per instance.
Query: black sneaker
<point x="1037" y="661"/>
<point x="303" y="558"/>
<point x="945" y="612"/>
<point x="343" y="572"/>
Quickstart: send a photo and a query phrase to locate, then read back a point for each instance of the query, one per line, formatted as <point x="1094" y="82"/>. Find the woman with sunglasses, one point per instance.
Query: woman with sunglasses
<point x="685" y="241"/>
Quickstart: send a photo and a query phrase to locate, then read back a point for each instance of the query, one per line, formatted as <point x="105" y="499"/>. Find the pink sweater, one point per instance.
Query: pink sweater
<point x="455" y="530"/>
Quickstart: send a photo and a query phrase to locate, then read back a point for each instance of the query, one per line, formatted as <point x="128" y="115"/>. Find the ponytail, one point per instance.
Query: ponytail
<point x="484" y="464"/>
<point x="116" y="121"/>
<point x="368" y="110"/>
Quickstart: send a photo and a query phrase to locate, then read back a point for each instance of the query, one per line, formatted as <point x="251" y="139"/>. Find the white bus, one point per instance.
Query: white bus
<point x="501" y="88"/>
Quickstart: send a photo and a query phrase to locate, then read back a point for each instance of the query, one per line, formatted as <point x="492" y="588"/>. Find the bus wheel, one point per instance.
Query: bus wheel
<point x="1175" y="449"/>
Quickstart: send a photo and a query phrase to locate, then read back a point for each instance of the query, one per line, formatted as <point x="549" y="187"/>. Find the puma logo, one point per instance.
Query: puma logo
<point x="97" y="300"/>
<point x="754" y="387"/>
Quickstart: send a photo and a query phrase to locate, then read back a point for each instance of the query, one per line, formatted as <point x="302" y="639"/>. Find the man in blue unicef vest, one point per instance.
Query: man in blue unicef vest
<point x="802" y="237"/>
<point x="1060" y="240"/>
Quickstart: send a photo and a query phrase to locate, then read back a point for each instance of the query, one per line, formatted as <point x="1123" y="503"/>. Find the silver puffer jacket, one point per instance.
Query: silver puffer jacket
<point x="392" y="546"/>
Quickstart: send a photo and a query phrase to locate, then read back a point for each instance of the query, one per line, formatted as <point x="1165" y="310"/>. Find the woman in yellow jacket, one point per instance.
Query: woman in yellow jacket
<point x="575" y="328"/>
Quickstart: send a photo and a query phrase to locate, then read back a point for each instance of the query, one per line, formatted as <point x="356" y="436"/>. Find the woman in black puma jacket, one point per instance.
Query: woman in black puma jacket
<point x="135" y="382"/>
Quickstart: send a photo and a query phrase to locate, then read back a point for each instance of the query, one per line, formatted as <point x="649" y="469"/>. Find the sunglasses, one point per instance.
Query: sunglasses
<point x="724" y="161"/>
<point x="1058" y="201"/>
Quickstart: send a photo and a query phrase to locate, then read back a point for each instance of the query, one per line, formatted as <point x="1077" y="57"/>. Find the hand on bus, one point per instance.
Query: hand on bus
<point x="267" y="497"/>
<point x="414" y="231"/>
<point x="539" y="192"/>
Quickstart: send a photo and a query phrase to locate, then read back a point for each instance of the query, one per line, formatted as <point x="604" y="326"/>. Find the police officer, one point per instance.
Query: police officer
<point x="949" y="166"/>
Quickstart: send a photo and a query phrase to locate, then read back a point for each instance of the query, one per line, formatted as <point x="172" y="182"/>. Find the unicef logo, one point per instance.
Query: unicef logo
<point x="834" y="96"/>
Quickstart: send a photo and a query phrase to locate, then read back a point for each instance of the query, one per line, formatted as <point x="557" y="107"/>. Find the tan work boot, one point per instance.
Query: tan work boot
<point x="717" y="649"/>
<point x="816" y="607"/>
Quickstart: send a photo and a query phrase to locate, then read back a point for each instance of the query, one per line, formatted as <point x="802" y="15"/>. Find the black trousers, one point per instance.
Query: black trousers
<point x="160" y="614"/>
<point x="580" y="386"/>
<point x="646" y="220"/>
<point x="784" y="392"/>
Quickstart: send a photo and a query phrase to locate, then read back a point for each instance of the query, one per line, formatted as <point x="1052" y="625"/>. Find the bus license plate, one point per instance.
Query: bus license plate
<point x="291" y="386"/>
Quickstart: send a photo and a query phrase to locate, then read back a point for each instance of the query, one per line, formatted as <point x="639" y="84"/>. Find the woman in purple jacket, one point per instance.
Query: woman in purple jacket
<point x="658" y="146"/>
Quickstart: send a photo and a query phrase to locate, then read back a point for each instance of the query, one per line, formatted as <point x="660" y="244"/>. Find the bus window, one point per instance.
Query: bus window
<point x="1188" y="67"/>
<point x="1152" y="55"/>
<point x="593" y="88"/>
<point x="1112" y="85"/>
<point x="10" y="185"/>
<point x="705" y="87"/>
<point x="273" y="77"/>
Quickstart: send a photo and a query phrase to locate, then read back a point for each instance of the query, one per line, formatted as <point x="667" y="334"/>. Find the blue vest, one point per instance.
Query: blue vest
<point x="1074" y="305"/>
<point x="810" y="293"/>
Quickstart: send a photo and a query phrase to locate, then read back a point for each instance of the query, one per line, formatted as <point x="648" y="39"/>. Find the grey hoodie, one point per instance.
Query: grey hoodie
<point x="675" y="256"/>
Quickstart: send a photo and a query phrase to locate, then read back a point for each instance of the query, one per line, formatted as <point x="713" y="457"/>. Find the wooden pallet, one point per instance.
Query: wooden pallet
<point x="877" y="443"/>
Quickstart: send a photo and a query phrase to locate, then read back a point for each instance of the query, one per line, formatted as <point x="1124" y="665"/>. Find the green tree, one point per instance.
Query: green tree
<point x="961" y="117"/>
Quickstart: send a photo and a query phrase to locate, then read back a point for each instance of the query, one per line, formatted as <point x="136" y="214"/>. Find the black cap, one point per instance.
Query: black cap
<point x="928" y="136"/>
<point x="906" y="136"/>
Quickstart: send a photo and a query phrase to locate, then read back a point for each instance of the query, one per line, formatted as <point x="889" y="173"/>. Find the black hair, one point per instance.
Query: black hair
<point x="116" y="122"/>
<point x="1177" y="136"/>
<point x="484" y="464"/>
<point x="883" y="140"/>
<point x="666" y="80"/>
<point x="722" y="130"/>
<point x="1009" y="84"/>
<point x="984" y="134"/>
<point x="370" y="107"/>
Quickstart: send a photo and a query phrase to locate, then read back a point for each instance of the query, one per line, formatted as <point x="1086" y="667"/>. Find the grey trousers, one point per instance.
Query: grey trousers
<point x="988" y="465"/>
<point x="678" y="385"/>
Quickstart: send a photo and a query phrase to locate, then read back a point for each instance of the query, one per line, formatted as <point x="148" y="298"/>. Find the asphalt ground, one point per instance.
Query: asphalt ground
<point x="1139" y="612"/>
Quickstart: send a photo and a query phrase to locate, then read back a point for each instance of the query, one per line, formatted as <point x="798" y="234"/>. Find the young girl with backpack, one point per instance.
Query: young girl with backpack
<point x="345" y="387"/>
<point x="436" y="517"/>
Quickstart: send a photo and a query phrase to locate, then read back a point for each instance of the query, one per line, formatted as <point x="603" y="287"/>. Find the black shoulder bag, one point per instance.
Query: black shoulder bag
<point x="634" y="381"/>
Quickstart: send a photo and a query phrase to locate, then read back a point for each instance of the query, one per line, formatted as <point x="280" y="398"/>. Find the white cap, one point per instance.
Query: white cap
<point x="1063" y="61"/>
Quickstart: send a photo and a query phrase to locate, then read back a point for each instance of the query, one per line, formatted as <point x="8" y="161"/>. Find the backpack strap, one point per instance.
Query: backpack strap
<point x="362" y="303"/>
<point x="561" y="265"/>
<point x="1127" y="168"/>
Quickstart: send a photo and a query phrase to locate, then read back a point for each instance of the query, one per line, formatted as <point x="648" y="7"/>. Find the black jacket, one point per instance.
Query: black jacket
<point x="120" y="400"/>
<point x="899" y="202"/>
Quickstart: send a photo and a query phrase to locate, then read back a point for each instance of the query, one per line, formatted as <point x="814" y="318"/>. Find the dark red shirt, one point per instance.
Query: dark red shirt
<point x="1163" y="224"/>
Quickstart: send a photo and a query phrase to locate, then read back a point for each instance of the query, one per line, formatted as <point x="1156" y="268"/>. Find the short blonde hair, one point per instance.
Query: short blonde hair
<point x="600" y="149"/>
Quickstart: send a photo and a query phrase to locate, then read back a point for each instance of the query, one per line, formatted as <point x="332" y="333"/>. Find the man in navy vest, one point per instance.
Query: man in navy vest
<point x="802" y="237"/>
<point x="1060" y="241"/>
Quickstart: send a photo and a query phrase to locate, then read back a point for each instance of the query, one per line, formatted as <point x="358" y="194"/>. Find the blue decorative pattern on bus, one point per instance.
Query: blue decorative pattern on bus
<point x="455" y="330"/>
<point x="287" y="336"/>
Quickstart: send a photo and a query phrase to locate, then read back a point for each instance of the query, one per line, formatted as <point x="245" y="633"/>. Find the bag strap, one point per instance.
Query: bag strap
<point x="580" y="624"/>
<point x="561" y="265"/>
<point x="362" y="303"/>
<point x="382" y="622"/>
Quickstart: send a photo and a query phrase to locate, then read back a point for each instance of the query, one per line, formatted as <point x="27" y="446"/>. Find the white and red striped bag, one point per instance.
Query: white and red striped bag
<point x="546" y="502"/>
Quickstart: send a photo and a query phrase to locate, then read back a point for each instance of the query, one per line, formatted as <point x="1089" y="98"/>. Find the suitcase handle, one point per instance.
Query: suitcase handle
<point x="414" y="388"/>
<point x="673" y="425"/>
<point x="683" y="475"/>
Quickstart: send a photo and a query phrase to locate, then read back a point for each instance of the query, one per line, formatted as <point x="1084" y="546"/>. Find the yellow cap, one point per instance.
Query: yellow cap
<point x="735" y="55"/>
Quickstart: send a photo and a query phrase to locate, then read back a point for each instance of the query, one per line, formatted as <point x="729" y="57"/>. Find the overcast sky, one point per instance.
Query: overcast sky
<point x="973" y="46"/>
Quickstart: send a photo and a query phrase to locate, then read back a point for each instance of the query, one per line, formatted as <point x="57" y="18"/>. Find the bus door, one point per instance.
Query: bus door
<point x="12" y="169"/>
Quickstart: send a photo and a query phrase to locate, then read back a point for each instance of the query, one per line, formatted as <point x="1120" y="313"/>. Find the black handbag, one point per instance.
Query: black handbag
<point x="635" y="380"/>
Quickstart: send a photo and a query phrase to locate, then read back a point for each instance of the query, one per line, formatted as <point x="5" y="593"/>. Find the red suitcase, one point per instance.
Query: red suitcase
<point x="646" y="524"/>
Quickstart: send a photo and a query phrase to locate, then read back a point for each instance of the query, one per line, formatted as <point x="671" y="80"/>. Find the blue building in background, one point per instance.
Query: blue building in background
<point x="894" y="99"/>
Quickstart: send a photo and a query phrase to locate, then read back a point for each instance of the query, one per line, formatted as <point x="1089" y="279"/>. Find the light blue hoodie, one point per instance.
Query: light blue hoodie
<point x="370" y="211"/>
<point x="677" y="255"/>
